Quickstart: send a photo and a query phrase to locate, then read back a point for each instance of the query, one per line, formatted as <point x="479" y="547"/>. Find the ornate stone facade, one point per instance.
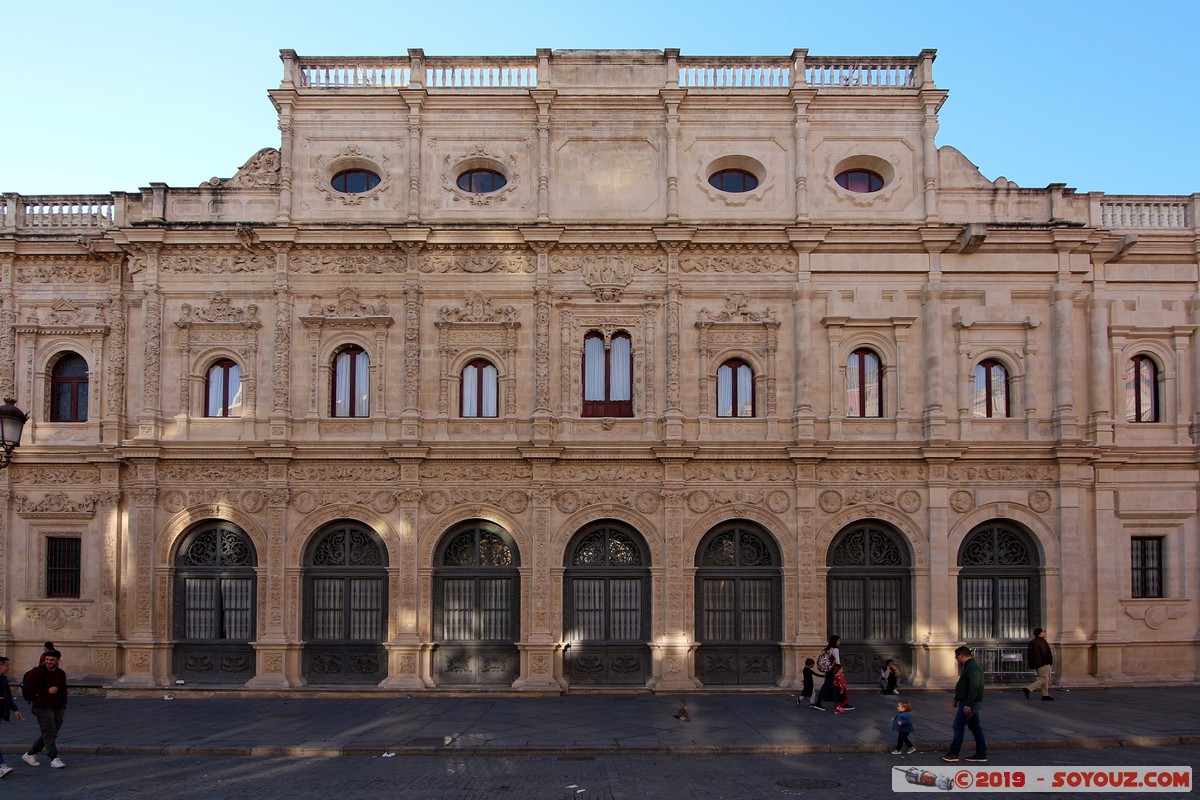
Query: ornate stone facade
<point x="651" y="325"/>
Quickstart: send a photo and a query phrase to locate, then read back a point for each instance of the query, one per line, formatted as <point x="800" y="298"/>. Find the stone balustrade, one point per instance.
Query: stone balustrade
<point x="860" y="73"/>
<point x="1145" y="213"/>
<point x="706" y="74"/>
<point x="61" y="212"/>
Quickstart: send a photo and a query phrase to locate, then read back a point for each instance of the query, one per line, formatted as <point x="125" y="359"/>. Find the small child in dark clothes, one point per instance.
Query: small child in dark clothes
<point x="809" y="691"/>
<point x="902" y="724"/>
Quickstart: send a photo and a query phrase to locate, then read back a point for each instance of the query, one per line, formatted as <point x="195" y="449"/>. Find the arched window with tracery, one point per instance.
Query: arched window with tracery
<point x="864" y="384"/>
<point x="989" y="396"/>
<point x="607" y="375"/>
<point x="345" y="621"/>
<point x="607" y="606"/>
<point x="998" y="584"/>
<point x="350" y="394"/>
<point x="1141" y="389"/>
<point x="223" y="389"/>
<point x="738" y="606"/>
<point x="69" y="389"/>
<point x="477" y="611"/>
<point x="215" y="605"/>
<point x="735" y="389"/>
<point x="869" y="596"/>
<point x="480" y="390"/>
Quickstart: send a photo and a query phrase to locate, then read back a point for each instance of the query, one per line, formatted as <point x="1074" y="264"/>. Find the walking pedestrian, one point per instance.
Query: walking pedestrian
<point x="7" y="704"/>
<point x="902" y="725"/>
<point x="47" y="685"/>
<point x="1040" y="658"/>
<point x="841" y="697"/>
<point x="808" y="691"/>
<point x="830" y="657"/>
<point x="968" y="697"/>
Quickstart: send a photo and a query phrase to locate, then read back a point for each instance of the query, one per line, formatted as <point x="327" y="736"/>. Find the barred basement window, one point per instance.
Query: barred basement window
<point x="63" y="566"/>
<point x="1146" y="566"/>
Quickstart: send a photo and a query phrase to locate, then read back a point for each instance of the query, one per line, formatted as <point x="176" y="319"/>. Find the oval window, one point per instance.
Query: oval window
<point x="860" y="180"/>
<point x="355" y="181"/>
<point x="733" y="180"/>
<point x="480" y="181"/>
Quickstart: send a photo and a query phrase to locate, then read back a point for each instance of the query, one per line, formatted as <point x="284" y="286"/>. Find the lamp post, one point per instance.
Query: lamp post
<point x="12" y="422"/>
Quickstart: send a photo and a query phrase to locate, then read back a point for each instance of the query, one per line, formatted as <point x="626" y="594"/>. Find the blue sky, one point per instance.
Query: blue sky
<point x="104" y="96"/>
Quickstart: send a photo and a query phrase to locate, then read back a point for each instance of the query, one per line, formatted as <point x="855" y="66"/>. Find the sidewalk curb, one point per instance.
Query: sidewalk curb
<point x="368" y="751"/>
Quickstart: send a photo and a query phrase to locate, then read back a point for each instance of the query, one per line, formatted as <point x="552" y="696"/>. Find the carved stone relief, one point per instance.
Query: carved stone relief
<point x="510" y="260"/>
<point x="261" y="170"/>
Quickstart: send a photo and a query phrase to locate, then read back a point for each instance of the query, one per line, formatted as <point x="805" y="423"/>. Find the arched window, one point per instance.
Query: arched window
<point x="990" y="394"/>
<point x="223" y="390"/>
<point x="477" y="606"/>
<point x="869" y="596"/>
<point x="607" y="375"/>
<point x="1141" y="390"/>
<point x="479" y="389"/>
<point x="69" y="389"/>
<point x="735" y="389"/>
<point x="345" y="582"/>
<point x="215" y="604"/>
<point x="738" y="606"/>
<point x="997" y="584"/>
<point x="607" y="606"/>
<point x="351" y="394"/>
<point x="864" y="384"/>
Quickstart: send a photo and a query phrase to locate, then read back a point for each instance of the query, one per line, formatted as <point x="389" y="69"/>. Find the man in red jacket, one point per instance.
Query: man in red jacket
<point x="47" y="684"/>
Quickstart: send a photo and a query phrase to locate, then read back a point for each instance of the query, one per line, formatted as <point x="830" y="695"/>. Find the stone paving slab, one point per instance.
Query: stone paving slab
<point x="760" y="724"/>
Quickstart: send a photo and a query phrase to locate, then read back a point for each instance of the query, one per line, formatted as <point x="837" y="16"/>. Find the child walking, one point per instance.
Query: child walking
<point x="902" y="724"/>
<point x="841" y="698"/>
<point x="809" y="690"/>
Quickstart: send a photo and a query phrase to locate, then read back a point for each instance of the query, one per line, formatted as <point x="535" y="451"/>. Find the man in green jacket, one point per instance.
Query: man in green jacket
<point x="968" y="697"/>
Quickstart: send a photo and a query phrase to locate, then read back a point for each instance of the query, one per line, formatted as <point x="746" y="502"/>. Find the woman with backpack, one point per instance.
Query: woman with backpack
<point x="830" y="657"/>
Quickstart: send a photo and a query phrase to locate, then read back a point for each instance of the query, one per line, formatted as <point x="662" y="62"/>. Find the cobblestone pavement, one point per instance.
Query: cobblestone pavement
<point x="610" y="777"/>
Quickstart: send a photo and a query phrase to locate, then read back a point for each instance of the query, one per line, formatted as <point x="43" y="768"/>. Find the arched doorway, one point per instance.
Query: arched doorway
<point x="215" y="605"/>
<point x="607" y="606"/>
<point x="345" y="605"/>
<point x="869" y="597"/>
<point x="738" y="606"/>
<point x="999" y="595"/>
<point x="477" y="606"/>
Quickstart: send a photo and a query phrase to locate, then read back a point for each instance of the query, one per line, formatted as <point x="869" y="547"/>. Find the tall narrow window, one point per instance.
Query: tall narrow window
<point x="1147" y="566"/>
<point x="607" y="376"/>
<point x="223" y="390"/>
<point x="69" y="389"/>
<point x="864" y="384"/>
<point x="63" y="566"/>
<point x="735" y="389"/>
<point x="1141" y="390"/>
<point x="479" y="389"/>
<point x="990" y="395"/>
<point x="351" y="383"/>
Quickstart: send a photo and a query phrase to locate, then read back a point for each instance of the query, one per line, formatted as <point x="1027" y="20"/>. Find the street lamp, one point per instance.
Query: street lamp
<point x="12" y="422"/>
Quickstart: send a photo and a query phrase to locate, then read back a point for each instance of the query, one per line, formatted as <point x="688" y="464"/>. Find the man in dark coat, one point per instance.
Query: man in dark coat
<point x="47" y="685"/>
<point x="968" y="697"/>
<point x="1039" y="657"/>
<point x="7" y="704"/>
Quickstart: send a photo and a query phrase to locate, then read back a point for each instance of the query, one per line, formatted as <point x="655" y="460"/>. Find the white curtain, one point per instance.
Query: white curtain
<point x="362" y="381"/>
<point x="620" y="386"/>
<point x="745" y="391"/>
<point x="593" y="368"/>
<point x="871" y="377"/>
<point x="341" y="385"/>
<point x="490" y="392"/>
<point x="356" y="363"/>
<point x="724" y="392"/>
<point x="470" y="391"/>
<point x="235" y="391"/>
<point x="216" y="391"/>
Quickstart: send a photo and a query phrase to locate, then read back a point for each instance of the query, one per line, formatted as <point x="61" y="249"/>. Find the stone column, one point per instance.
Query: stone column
<point x="675" y="647"/>
<point x="281" y="363"/>
<point x="152" y="316"/>
<point x="278" y="660"/>
<point x="1064" y="361"/>
<point x="409" y="647"/>
<point x="1101" y="372"/>
<point x="144" y="659"/>
<point x="410" y="417"/>
<point x="541" y="648"/>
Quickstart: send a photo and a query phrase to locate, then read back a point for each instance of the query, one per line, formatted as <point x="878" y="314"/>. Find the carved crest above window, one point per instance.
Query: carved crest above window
<point x="478" y="308"/>
<point x="219" y="310"/>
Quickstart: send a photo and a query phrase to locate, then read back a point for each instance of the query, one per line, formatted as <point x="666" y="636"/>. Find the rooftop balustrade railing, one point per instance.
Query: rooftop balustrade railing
<point x="707" y="74"/>
<point x="58" y="212"/>
<point x="1133" y="212"/>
